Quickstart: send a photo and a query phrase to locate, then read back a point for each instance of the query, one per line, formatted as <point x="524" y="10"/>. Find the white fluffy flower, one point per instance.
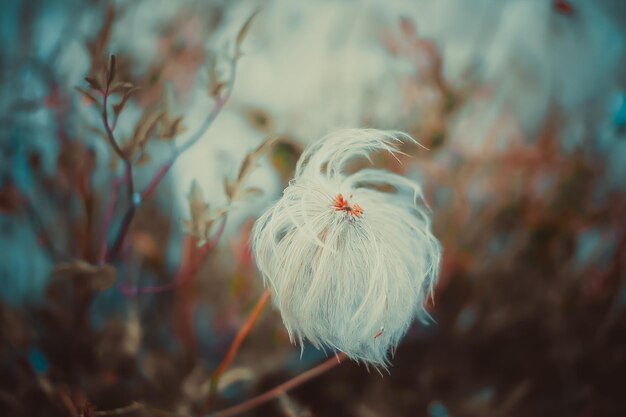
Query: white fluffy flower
<point x="350" y="257"/>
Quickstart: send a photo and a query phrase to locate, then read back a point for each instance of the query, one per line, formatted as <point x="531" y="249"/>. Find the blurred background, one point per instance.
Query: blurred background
<point x="128" y="187"/>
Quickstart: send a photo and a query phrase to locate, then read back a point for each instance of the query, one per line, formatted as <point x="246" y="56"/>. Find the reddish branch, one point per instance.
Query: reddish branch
<point x="128" y="168"/>
<point x="281" y="389"/>
<point x="236" y="344"/>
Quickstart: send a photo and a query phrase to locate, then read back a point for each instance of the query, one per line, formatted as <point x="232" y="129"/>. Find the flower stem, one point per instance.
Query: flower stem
<point x="234" y="347"/>
<point x="281" y="389"/>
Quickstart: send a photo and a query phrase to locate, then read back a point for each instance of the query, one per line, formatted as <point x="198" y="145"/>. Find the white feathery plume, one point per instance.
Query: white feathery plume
<point x="350" y="257"/>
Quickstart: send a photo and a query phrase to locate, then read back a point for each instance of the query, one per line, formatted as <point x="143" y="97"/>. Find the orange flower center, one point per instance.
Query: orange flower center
<point x="341" y="204"/>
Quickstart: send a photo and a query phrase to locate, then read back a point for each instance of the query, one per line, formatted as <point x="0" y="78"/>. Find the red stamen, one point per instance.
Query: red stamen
<point x="341" y="204"/>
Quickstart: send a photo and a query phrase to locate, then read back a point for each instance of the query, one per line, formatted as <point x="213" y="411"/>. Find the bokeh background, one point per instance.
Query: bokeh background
<point x="111" y="295"/>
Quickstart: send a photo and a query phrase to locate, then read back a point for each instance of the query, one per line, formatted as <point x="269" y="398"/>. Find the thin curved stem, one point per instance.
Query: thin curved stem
<point x="282" y="388"/>
<point x="236" y="343"/>
<point x="105" y="121"/>
<point x="128" y="174"/>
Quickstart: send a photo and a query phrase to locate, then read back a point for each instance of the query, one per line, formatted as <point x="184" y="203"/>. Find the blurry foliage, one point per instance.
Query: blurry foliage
<point x="136" y="350"/>
<point x="526" y="325"/>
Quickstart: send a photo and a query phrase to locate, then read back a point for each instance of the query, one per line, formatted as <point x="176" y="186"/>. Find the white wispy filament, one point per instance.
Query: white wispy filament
<point x="350" y="257"/>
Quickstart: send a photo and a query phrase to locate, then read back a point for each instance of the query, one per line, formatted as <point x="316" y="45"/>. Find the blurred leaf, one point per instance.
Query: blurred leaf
<point x="242" y="33"/>
<point x="292" y="408"/>
<point x="143" y="159"/>
<point x="143" y="132"/>
<point x="101" y="277"/>
<point x="86" y="94"/>
<point x="251" y="192"/>
<point x="216" y="89"/>
<point x="229" y="188"/>
<point x="117" y="108"/>
<point x="150" y="127"/>
<point x="98" y="45"/>
<point x="197" y="206"/>
<point x="236" y="375"/>
<point x="171" y="129"/>
<point x="248" y="165"/>
<point x="121" y="87"/>
<point x="199" y="226"/>
<point x="138" y="133"/>
<point x="94" y="83"/>
<point x="89" y="97"/>
<point x="215" y="84"/>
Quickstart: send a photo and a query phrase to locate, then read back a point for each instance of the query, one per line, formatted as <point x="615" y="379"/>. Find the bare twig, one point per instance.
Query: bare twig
<point x="128" y="216"/>
<point x="128" y="166"/>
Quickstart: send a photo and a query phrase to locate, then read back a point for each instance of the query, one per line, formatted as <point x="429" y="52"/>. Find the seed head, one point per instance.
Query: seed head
<point x="348" y="273"/>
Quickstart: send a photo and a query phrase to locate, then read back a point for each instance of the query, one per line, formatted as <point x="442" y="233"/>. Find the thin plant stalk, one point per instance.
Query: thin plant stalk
<point x="282" y="388"/>
<point x="236" y="343"/>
